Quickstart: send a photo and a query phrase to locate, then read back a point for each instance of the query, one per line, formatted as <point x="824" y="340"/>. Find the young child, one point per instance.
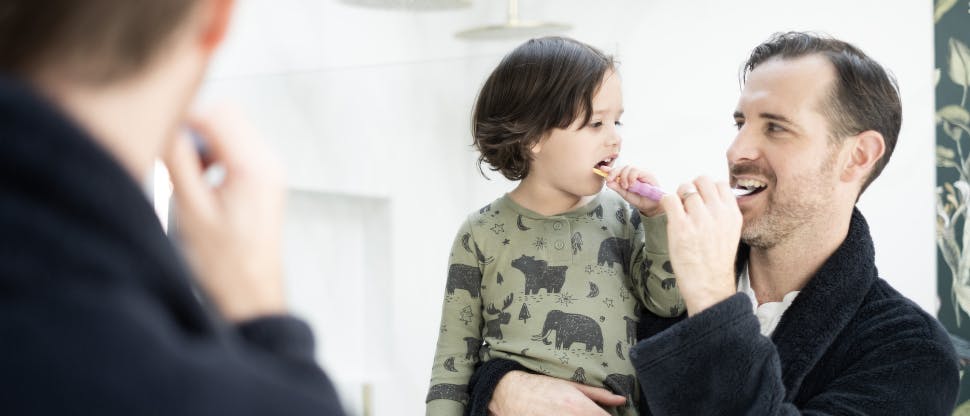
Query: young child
<point x="553" y="274"/>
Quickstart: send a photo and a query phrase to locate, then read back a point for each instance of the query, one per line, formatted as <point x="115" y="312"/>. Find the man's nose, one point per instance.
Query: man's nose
<point x="744" y="147"/>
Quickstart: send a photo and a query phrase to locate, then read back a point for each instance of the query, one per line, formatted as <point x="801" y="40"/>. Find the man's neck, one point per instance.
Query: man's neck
<point x="132" y="119"/>
<point x="788" y="266"/>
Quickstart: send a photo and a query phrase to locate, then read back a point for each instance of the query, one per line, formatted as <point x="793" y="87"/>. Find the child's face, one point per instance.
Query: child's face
<point x="565" y="158"/>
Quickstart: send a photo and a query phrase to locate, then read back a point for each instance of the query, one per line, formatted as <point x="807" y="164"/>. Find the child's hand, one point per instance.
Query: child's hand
<point x="621" y="178"/>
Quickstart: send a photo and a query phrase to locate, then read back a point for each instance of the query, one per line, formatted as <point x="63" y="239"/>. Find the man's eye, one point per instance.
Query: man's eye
<point x="618" y="123"/>
<point x="774" y="128"/>
<point x="738" y="124"/>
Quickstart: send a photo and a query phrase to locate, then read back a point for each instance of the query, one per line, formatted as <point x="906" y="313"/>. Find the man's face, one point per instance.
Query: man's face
<point x="783" y="149"/>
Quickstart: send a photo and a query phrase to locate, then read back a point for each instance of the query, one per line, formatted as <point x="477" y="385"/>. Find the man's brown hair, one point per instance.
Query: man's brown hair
<point x="94" y="41"/>
<point x="864" y="97"/>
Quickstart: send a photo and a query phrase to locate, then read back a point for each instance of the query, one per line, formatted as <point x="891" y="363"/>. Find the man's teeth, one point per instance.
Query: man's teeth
<point x="748" y="186"/>
<point x="751" y="183"/>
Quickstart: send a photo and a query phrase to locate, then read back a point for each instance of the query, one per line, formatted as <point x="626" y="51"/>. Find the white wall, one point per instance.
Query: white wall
<point x="371" y="107"/>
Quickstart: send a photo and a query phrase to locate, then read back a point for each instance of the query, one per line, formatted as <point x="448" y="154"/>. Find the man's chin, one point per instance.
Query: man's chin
<point x="754" y="235"/>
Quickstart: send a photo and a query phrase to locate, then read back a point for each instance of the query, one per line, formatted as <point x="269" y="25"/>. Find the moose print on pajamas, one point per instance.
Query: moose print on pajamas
<point x="576" y="295"/>
<point x="493" y="328"/>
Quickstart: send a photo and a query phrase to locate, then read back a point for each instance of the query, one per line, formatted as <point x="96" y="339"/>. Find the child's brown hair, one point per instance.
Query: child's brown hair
<point x="544" y="83"/>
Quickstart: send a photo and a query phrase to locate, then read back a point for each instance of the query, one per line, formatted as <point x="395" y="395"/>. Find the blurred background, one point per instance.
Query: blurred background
<point x="368" y="103"/>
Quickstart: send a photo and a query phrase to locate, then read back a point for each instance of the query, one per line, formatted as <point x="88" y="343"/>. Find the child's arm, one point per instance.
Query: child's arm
<point x="650" y="269"/>
<point x="459" y="336"/>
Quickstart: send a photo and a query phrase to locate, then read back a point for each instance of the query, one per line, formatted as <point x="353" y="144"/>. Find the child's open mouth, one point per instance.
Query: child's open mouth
<point x="608" y="161"/>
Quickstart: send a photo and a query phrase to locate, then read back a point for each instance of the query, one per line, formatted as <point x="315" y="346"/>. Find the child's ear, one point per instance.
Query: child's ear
<point x="537" y="146"/>
<point x="865" y="150"/>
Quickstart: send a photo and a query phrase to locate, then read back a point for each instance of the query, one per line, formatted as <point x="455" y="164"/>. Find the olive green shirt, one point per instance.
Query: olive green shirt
<point x="559" y="294"/>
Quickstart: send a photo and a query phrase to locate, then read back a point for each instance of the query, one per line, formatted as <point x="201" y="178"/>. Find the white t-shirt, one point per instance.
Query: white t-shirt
<point x="769" y="313"/>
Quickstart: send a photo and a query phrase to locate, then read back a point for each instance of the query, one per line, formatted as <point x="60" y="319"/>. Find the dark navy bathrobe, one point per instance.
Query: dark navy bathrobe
<point x="97" y="314"/>
<point x="848" y="344"/>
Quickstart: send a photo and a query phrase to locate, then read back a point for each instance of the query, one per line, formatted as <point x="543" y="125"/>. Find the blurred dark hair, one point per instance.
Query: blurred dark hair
<point x="864" y="96"/>
<point x="93" y="41"/>
<point x="544" y="83"/>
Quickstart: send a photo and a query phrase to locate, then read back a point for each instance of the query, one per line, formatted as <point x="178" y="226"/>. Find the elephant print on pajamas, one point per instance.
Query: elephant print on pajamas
<point x="614" y="250"/>
<point x="539" y="275"/>
<point x="465" y="277"/>
<point x="571" y="328"/>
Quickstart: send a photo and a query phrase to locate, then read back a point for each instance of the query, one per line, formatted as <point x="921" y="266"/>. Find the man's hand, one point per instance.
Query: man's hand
<point x="231" y="233"/>
<point x="703" y="231"/>
<point x="521" y="393"/>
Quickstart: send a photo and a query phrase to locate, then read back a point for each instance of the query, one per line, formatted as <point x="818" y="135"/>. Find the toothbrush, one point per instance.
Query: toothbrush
<point x="654" y="193"/>
<point x="644" y="189"/>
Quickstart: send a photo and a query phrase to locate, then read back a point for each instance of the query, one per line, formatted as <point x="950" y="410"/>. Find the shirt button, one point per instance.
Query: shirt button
<point x="557" y="225"/>
<point x="560" y="245"/>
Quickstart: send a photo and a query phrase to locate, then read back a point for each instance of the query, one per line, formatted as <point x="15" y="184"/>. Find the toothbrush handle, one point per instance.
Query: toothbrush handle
<point x="646" y="190"/>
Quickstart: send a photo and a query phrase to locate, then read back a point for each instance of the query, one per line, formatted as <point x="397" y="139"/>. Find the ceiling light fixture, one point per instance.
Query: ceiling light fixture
<point x="513" y="28"/>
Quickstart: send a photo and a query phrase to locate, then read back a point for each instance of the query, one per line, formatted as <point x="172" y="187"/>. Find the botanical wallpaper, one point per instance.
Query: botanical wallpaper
<point x="953" y="177"/>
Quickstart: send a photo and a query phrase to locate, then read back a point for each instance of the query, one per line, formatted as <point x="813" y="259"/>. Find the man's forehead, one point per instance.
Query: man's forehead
<point x="787" y="86"/>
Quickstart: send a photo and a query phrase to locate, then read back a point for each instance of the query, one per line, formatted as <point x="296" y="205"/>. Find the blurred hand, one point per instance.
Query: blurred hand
<point x="620" y="179"/>
<point x="523" y="394"/>
<point x="703" y="231"/>
<point x="231" y="232"/>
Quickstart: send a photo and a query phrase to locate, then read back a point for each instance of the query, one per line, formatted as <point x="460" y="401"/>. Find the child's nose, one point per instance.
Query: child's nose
<point x="614" y="138"/>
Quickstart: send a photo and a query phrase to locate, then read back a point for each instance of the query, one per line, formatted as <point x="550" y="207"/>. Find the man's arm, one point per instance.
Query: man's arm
<point x="148" y="363"/>
<point x="504" y="387"/>
<point x="717" y="362"/>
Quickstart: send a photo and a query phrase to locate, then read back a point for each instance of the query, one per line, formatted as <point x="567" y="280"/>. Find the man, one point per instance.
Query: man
<point x="97" y="313"/>
<point x="817" y="122"/>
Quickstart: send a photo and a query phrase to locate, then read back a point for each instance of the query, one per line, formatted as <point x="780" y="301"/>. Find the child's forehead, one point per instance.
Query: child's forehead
<point x="608" y="98"/>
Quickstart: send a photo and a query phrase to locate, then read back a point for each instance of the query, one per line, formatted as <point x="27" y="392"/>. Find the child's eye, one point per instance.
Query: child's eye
<point x="738" y="124"/>
<point x="596" y="124"/>
<point x="618" y="123"/>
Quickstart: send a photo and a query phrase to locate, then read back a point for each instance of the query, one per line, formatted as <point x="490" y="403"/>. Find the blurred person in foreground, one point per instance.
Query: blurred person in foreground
<point x="99" y="312"/>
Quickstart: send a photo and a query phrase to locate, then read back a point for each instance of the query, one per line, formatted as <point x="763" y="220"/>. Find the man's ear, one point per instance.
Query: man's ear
<point x="215" y="22"/>
<point x="865" y="150"/>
